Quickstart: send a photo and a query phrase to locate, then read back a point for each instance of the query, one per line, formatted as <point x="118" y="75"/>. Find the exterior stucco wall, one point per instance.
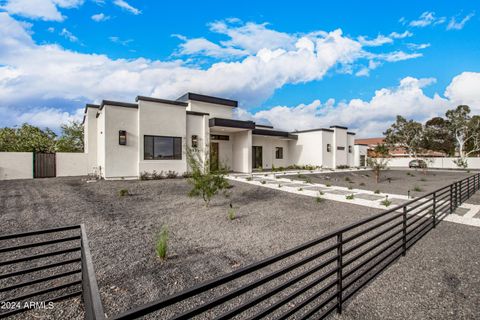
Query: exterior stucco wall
<point x="268" y="145"/>
<point x="161" y="119"/>
<point x="215" y="110"/>
<point x="307" y="150"/>
<point x="339" y="142"/>
<point x="225" y="150"/>
<point x="72" y="164"/>
<point x="439" y="163"/>
<point x="100" y="165"/>
<point x="90" y="138"/>
<point x="327" y="157"/>
<point x="359" y="151"/>
<point x="120" y="161"/>
<point x="16" y="165"/>
<point x="350" y="155"/>
<point x="242" y="151"/>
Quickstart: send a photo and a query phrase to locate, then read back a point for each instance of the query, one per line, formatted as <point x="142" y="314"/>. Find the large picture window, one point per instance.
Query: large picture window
<point x="162" y="148"/>
<point x="278" y="153"/>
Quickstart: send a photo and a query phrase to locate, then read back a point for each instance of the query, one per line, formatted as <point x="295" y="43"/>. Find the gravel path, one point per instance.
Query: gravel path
<point x="392" y="181"/>
<point x="203" y="242"/>
<point x="439" y="278"/>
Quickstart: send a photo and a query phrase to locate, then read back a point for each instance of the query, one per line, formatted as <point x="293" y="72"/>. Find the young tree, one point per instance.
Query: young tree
<point x="71" y="139"/>
<point x="378" y="160"/>
<point x="205" y="182"/>
<point x="465" y="130"/>
<point x="407" y="134"/>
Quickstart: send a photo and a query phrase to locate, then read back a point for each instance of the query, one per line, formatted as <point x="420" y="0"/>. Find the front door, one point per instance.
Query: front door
<point x="257" y="160"/>
<point x="214" y="156"/>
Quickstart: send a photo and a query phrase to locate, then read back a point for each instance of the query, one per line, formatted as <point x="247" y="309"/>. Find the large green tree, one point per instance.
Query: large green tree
<point x="27" y="138"/>
<point x="437" y="136"/>
<point x="71" y="139"/>
<point x="465" y="130"/>
<point x="407" y="134"/>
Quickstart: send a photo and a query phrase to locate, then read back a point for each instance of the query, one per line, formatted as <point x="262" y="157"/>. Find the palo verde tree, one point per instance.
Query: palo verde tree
<point x="407" y="134"/>
<point x="378" y="160"/>
<point x="204" y="181"/>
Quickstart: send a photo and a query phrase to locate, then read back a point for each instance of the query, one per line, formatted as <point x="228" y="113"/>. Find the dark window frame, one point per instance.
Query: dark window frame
<point x="341" y="148"/>
<point x="349" y="149"/>
<point x="194" y="141"/>
<point x="122" y="137"/>
<point x="219" y="137"/>
<point x="329" y="147"/>
<point x="177" y="154"/>
<point x="278" y="152"/>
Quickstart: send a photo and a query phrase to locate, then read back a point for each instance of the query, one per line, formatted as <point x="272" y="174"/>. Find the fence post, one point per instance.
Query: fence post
<point x="451" y="198"/>
<point x="339" y="272"/>
<point x="468" y="186"/>
<point x="434" y="209"/>
<point x="404" y="231"/>
<point x="459" y="200"/>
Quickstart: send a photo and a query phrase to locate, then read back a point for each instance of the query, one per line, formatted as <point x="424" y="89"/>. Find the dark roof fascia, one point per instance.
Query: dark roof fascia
<point x="89" y="105"/>
<point x="174" y="102"/>
<point x="196" y="113"/>
<point x="274" y="133"/>
<point x="339" y="127"/>
<point x="221" y="122"/>
<point x="313" y="130"/>
<point x="361" y="144"/>
<point x="351" y="133"/>
<point x="209" y="99"/>
<point x="118" y="104"/>
<point x="263" y="126"/>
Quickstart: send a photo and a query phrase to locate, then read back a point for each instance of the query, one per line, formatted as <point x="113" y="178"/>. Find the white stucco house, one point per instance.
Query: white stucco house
<point x="124" y="140"/>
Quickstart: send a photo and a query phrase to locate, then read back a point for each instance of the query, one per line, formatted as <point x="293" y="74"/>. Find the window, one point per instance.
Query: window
<point x="341" y="148"/>
<point x="349" y="149"/>
<point x="122" y="137"/>
<point x="162" y="148"/>
<point x="329" y="147"/>
<point x="219" y="137"/>
<point x="194" y="141"/>
<point x="278" y="153"/>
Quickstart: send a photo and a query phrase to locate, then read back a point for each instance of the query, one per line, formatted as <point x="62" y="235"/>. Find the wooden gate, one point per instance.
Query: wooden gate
<point x="44" y="165"/>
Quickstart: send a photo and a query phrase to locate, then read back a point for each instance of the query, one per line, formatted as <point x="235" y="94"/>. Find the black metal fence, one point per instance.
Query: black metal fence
<point x="47" y="266"/>
<point x="318" y="277"/>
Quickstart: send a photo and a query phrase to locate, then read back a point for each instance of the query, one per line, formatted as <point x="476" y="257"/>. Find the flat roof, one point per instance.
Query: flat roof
<point x="196" y="113"/>
<point x="209" y="99"/>
<point x="231" y="123"/>
<point x="313" y="130"/>
<point x="263" y="126"/>
<point x="339" y="127"/>
<point x="274" y="133"/>
<point x="152" y="99"/>
<point x="118" y="104"/>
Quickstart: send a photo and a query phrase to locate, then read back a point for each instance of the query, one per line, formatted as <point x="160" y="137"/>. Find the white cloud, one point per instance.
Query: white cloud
<point x="47" y="10"/>
<point x="380" y="40"/>
<point x="418" y="46"/>
<point x="405" y="34"/>
<point x="124" y="5"/>
<point x="117" y="40"/>
<point x="464" y="90"/>
<point x="458" y="25"/>
<point x="366" y="117"/>
<point x="202" y="46"/>
<point x="100" y="17"/>
<point x="68" y="35"/>
<point x="48" y="117"/>
<point x="397" y="56"/>
<point x="427" y="18"/>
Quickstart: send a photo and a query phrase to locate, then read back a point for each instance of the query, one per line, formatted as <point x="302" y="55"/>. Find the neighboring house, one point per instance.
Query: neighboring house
<point x="123" y="140"/>
<point x="396" y="152"/>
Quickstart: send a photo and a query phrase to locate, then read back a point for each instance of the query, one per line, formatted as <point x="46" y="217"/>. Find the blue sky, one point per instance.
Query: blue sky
<point x="294" y="65"/>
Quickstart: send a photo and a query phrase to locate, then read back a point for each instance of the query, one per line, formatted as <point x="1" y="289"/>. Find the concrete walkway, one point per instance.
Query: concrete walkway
<point x="468" y="214"/>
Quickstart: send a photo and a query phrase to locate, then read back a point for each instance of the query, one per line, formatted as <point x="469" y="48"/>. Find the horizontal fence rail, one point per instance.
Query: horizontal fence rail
<point x="316" y="278"/>
<point x="47" y="266"/>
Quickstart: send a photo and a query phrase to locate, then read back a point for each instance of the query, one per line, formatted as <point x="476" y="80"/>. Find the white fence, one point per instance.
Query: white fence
<point x="437" y="163"/>
<point x="19" y="165"/>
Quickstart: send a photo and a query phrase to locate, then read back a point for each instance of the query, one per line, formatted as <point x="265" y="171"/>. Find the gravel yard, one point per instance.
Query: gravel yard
<point x="203" y="242"/>
<point x="391" y="181"/>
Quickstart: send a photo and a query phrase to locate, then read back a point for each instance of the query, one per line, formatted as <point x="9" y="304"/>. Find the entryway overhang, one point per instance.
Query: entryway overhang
<point x="283" y="135"/>
<point x="230" y="125"/>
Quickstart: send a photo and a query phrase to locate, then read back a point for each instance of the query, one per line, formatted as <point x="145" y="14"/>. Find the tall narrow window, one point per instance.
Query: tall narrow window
<point x="349" y="149"/>
<point x="329" y="147"/>
<point x="278" y="153"/>
<point x="194" y="141"/>
<point x="162" y="148"/>
<point x="122" y="137"/>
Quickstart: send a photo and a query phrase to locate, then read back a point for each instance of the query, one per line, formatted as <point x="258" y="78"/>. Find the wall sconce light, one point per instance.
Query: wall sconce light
<point x="122" y="137"/>
<point x="194" y="141"/>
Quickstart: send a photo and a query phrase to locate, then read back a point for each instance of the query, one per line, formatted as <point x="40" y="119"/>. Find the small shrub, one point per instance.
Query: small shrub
<point x="319" y="199"/>
<point x="144" y="175"/>
<point x="308" y="180"/>
<point x="350" y="188"/>
<point x="161" y="246"/>
<point x="231" y="213"/>
<point x="248" y="178"/>
<point x="265" y="175"/>
<point x="328" y="184"/>
<point x="350" y="196"/>
<point x="321" y="193"/>
<point x="171" y="174"/>
<point x="343" y="166"/>
<point x="417" y="189"/>
<point x="279" y="185"/>
<point x="362" y="184"/>
<point x="348" y="179"/>
<point x="377" y="191"/>
<point x="386" y="202"/>
<point x="263" y="182"/>
<point x="123" y="192"/>
<point x="300" y="189"/>
<point x="423" y="179"/>
<point x="186" y="175"/>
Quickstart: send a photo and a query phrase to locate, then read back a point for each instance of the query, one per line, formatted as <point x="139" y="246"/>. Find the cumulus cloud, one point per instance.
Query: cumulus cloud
<point x="124" y="5"/>
<point x="100" y="17"/>
<point x="47" y="10"/>
<point x="68" y="35"/>
<point x="371" y="117"/>
<point x="458" y="25"/>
